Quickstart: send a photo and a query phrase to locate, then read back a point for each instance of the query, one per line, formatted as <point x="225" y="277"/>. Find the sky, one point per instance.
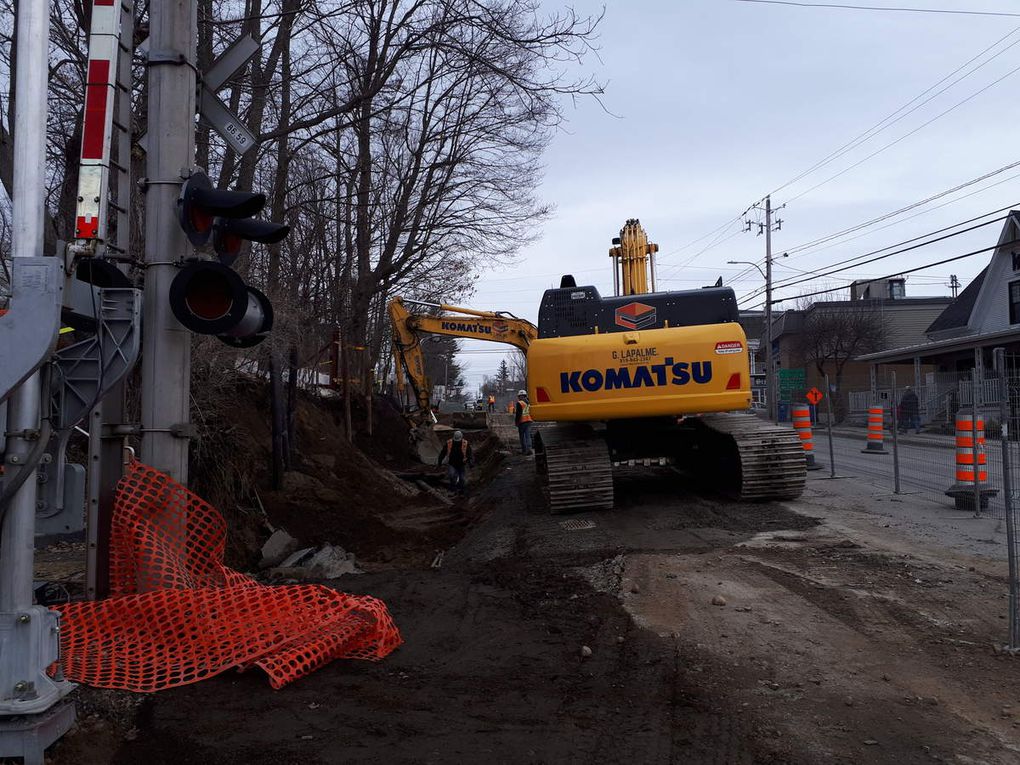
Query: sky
<point x="712" y="104"/>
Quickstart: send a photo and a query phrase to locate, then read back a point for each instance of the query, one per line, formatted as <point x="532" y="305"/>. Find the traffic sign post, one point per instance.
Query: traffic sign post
<point x="828" y="417"/>
<point x="814" y="396"/>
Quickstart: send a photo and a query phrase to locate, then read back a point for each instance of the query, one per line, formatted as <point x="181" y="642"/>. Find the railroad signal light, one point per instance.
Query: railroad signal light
<point x="199" y="206"/>
<point x="230" y="234"/>
<point x="208" y="297"/>
<point x="211" y="299"/>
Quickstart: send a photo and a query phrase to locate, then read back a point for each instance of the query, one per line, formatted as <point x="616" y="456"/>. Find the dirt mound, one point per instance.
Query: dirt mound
<point x="390" y="443"/>
<point x="337" y="492"/>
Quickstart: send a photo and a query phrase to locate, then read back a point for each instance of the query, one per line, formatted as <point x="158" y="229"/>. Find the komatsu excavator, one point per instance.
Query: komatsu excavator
<point x="641" y="377"/>
<point x="407" y="327"/>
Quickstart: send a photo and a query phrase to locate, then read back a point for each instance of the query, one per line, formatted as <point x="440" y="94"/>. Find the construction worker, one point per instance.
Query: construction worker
<point x="522" y="419"/>
<point x="457" y="455"/>
<point x="510" y="407"/>
<point x="492" y="403"/>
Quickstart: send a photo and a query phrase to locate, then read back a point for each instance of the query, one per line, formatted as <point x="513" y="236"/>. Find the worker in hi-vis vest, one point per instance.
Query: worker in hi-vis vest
<point x="522" y="419"/>
<point x="457" y="455"/>
<point x="492" y="403"/>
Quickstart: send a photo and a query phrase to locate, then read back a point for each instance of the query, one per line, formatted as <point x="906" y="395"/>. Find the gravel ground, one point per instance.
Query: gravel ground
<point x="845" y="627"/>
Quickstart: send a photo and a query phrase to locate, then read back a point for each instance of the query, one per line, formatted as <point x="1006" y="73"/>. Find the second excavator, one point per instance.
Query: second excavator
<point x="642" y="377"/>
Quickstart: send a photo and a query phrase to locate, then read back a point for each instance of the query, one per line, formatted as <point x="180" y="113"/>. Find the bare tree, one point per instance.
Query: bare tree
<point x="836" y="332"/>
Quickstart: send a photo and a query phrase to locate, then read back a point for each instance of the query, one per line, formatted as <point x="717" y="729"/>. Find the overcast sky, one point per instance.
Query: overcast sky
<point x="715" y="103"/>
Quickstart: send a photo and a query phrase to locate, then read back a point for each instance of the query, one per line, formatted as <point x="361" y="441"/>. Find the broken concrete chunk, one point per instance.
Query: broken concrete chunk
<point x="278" y="547"/>
<point x="297" y="558"/>
<point x="718" y="600"/>
<point x="332" y="562"/>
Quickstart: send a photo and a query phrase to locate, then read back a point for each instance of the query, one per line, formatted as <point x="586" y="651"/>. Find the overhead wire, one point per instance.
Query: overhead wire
<point x="896" y="9"/>
<point x="860" y="260"/>
<point x="908" y="271"/>
<point x="892" y="118"/>
<point x="920" y="127"/>
<point x="859" y="140"/>
<point x="830" y="245"/>
<point x="913" y="206"/>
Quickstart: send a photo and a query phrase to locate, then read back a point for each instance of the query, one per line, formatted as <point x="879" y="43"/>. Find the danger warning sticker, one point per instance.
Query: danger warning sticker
<point x="732" y="346"/>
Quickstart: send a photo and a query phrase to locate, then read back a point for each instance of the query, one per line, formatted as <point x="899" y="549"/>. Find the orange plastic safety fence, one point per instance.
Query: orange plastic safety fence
<point x="177" y="615"/>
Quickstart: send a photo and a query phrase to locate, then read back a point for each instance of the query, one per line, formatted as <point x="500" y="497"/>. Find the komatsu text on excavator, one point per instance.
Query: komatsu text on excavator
<point x="641" y="377"/>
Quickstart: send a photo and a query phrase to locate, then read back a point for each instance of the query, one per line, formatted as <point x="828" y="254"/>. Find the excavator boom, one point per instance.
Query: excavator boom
<point x="455" y="321"/>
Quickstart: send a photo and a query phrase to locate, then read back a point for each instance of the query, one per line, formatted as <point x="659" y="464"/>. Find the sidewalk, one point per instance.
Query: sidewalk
<point x="914" y="439"/>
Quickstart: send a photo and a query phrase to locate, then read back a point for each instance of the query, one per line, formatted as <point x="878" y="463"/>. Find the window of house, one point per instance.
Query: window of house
<point x="897" y="289"/>
<point x="1014" y="302"/>
<point x="1016" y="260"/>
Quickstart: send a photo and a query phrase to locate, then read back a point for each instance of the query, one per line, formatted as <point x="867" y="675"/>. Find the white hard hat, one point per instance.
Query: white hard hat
<point x="522" y="393"/>
<point x="457" y="435"/>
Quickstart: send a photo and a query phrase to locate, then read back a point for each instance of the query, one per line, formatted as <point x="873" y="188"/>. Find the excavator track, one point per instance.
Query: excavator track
<point x="769" y="458"/>
<point x="574" y="467"/>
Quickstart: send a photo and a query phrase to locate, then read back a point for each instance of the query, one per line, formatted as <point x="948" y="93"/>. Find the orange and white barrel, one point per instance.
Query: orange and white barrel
<point x="967" y="448"/>
<point x="801" y="414"/>
<point x="876" y="416"/>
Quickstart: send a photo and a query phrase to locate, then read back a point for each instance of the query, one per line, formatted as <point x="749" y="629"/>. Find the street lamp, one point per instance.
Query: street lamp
<point x="770" y="388"/>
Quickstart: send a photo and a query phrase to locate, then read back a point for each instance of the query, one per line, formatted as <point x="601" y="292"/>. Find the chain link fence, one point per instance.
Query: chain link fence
<point x="954" y="440"/>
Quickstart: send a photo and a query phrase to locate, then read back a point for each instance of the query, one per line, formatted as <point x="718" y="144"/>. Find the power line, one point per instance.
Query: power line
<point x="900" y="211"/>
<point x="674" y="269"/>
<point x="908" y="271"/>
<point x="888" y="121"/>
<point x="859" y="260"/>
<point x="918" y="246"/>
<point x="843" y="6"/>
<point x="920" y="127"/>
<point x="911" y="217"/>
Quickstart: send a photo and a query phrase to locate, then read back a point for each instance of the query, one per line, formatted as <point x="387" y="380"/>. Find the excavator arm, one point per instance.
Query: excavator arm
<point x="408" y="327"/>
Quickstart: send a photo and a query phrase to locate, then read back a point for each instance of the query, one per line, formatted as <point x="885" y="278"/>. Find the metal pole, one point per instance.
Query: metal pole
<point x="828" y="412"/>
<point x="975" y="449"/>
<point x="999" y="357"/>
<point x="895" y="438"/>
<point x="32" y="715"/>
<point x="166" y="359"/>
<point x="17" y="548"/>
<point x="770" y="372"/>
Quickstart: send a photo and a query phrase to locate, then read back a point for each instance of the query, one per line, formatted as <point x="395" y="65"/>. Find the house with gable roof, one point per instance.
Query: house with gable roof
<point x="960" y="341"/>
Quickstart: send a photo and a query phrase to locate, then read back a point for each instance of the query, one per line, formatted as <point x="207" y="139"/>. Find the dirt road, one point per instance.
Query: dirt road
<point x="841" y="640"/>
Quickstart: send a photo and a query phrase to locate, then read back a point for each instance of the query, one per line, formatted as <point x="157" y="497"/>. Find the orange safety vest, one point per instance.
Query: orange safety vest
<point x="510" y="408"/>
<point x="492" y="399"/>
<point x="525" y="412"/>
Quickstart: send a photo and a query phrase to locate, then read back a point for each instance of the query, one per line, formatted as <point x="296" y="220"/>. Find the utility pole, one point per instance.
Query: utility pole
<point x="954" y="284"/>
<point x="770" y="370"/>
<point x="166" y="361"/>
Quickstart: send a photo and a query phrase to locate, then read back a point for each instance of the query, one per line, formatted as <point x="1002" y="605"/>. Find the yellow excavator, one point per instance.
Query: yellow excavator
<point x="408" y="327"/>
<point x="642" y="377"/>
